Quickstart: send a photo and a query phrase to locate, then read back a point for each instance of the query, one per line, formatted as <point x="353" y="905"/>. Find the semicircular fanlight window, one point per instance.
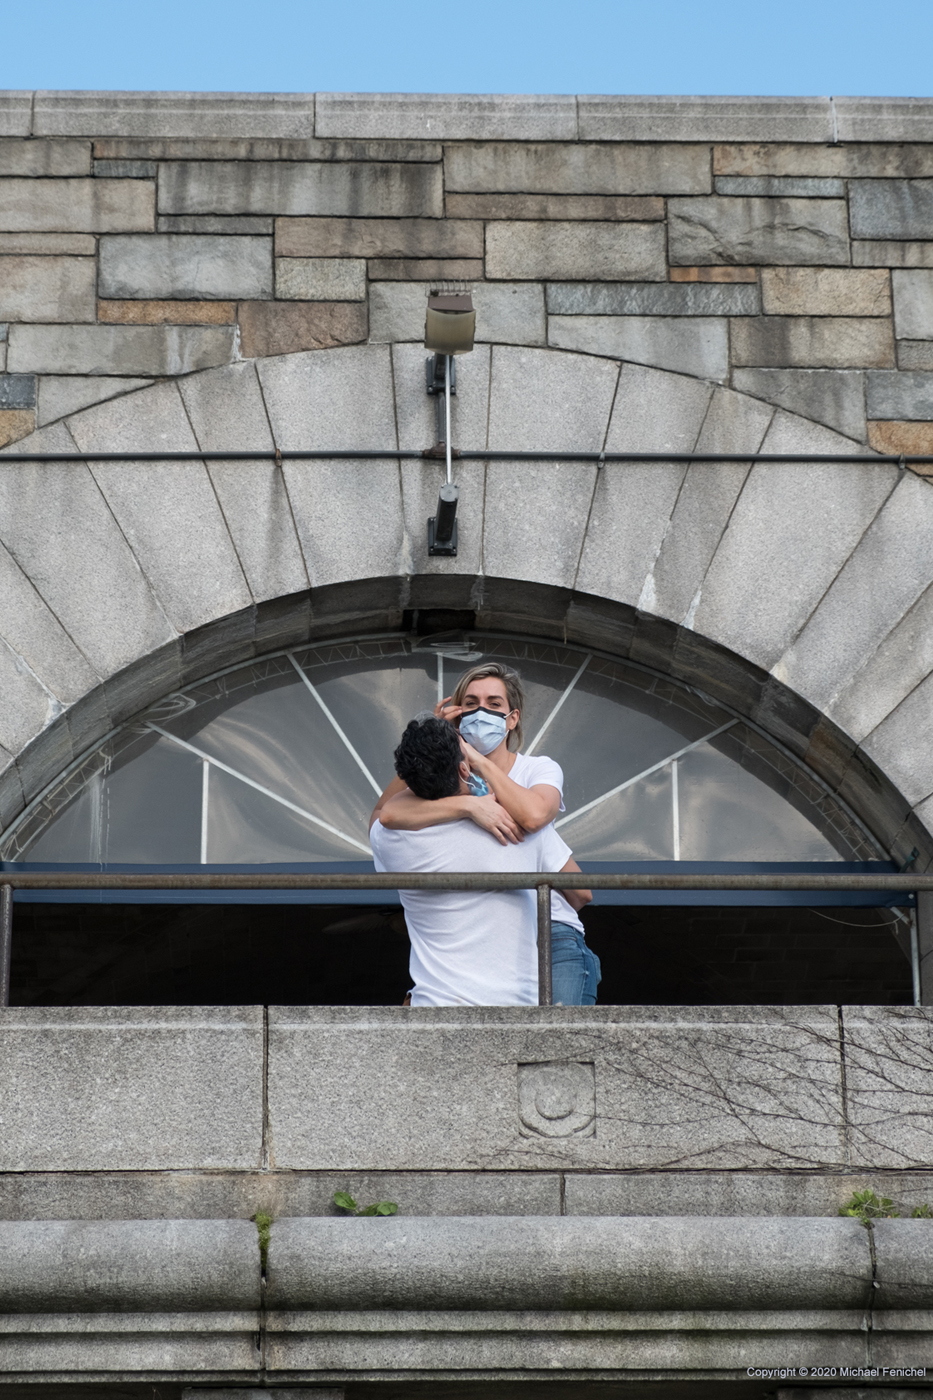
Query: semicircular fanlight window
<point x="283" y="759"/>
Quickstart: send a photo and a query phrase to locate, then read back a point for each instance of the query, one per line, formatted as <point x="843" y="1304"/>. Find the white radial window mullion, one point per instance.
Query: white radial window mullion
<point x="675" y="808"/>
<point x="553" y="715"/>
<point x="205" y="794"/>
<point x="645" y="773"/>
<point x="267" y="792"/>
<point x="337" y="730"/>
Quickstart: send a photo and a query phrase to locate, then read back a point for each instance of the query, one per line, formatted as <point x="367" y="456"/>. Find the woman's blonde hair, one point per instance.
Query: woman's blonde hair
<point x="514" y="693"/>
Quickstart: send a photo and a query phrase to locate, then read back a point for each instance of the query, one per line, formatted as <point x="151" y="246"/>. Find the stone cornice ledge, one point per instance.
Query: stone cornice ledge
<point x="464" y="117"/>
<point x="424" y="1297"/>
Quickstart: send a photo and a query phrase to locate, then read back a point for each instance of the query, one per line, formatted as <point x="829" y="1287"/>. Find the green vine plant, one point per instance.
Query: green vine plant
<point x="345" y="1202"/>
<point x="865" y="1206"/>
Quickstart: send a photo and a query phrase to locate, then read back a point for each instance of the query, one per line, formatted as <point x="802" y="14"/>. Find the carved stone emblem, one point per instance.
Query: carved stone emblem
<point x="557" y="1099"/>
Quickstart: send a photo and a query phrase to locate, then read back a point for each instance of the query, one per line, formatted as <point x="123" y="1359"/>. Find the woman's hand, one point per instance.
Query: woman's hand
<point x="473" y="757"/>
<point x="490" y="816"/>
<point x="446" y="709"/>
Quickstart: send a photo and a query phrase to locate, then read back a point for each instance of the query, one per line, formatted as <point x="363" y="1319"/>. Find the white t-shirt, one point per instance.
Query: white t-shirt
<point x="470" y="948"/>
<point x="527" y="771"/>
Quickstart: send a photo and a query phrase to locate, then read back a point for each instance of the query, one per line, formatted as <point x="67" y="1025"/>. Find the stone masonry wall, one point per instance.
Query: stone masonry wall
<point x="783" y="246"/>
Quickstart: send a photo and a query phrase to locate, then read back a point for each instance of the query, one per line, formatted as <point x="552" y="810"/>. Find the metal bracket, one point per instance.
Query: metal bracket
<point x="448" y="547"/>
<point x="434" y="373"/>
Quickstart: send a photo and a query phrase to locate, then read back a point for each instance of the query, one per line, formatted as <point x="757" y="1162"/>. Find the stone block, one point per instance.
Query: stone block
<point x="883" y="118"/>
<point x="893" y="394"/>
<point x="166" y="313"/>
<point x="899" y="745"/>
<point x="621" y="1265"/>
<point x="899" y="209"/>
<point x="779" y="187"/>
<point x="752" y="231"/>
<point x="557" y="495"/>
<point x="215" y="223"/>
<point x="226" y="411"/>
<point x="183" y="1088"/>
<point x="688" y="345"/>
<point x="915" y="355"/>
<point x="904" y="1259"/>
<point x="17" y="391"/>
<point x="730" y="1194"/>
<point x="320" y="279"/>
<point x="892" y="254"/>
<point x="714" y="274"/>
<point x="913" y="304"/>
<point x="855" y="615"/>
<point x="38" y="640"/>
<point x="121" y="350"/>
<point x="505" y="313"/>
<point x="76" y="206"/>
<point x="313" y="401"/>
<point x="48" y="244"/>
<point x="888" y="1088"/>
<point x="831" y="342"/>
<point x="15" y="423"/>
<point x="769" y="551"/>
<point x="526" y="168"/>
<point x="28" y="705"/>
<point x="439" y="117"/>
<point x="15" y="113"/>
<point x="891" y="672"/>
<point x="618" y="208"/>
<point x="721" y="1087"/>
<point x="276" y="328"/>
<point x="60" y="395"/>
<point x="547" y="402"/>
<point x="835" y="397"/>
<point x="168" y="511"/>
<point x="34" y="158"/>
<point x="421" y="482"/>
<point x="607" y="252"/>
<point x="824" y="291"/>
<point x="34" y="634"/>
<point x="262" y="148"/>
<point x="124" y="169"/>
<point x="205" y="115"/>
<point x="860" y="161"/>
<point x="419" y="269"/>
<point x="378" y="238"/>
<point x="47" y="289"/>
<point x="629" y="517"/>
<point x="705" y="119"/>
<point x="385" y="190"/>
<point x="734" y="423"/>
<point x="185" y="265"/>
<point x="907" y="438"/>
<point x="651" y="299"/>
<point x="162" y="1266"/>
<point x="64" y="537"/>
<point x="656" y="412"/>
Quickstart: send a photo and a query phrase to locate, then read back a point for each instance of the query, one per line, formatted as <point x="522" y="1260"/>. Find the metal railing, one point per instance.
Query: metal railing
<point x="542" y="883"/>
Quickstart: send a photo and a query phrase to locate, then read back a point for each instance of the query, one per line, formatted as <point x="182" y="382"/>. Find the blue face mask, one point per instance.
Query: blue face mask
<point x="483" y="729"/>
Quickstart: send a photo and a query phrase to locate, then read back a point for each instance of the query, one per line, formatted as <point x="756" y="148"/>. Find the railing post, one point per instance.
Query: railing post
<point x="925" y="946"/>
<point x="6" y="941"/>
<point x="545" y="987"/>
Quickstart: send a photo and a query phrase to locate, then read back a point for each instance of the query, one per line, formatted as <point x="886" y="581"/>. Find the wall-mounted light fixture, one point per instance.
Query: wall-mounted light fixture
<point x="449" y="327"/>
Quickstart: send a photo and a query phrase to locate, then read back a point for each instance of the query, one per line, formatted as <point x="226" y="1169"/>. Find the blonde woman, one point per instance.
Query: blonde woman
<point x="522" y="794"/>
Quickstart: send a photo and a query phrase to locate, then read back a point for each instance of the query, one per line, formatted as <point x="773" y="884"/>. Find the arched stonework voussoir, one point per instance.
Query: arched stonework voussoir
<point x="124" y="580"/>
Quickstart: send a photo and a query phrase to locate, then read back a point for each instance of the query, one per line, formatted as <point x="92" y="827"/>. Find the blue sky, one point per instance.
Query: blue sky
<point x="797" y="47"/>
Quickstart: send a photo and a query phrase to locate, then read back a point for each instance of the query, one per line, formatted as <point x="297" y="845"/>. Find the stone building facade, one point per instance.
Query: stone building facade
<point x="626" y="1196"/>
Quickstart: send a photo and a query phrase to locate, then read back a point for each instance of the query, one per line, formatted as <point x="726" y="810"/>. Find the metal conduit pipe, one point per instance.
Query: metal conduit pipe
<point x="486" y="880"/>
<point x="487" y="455"/>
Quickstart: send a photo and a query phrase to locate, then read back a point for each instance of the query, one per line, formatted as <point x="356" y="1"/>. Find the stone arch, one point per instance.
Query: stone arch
<point x="798" y="594"/>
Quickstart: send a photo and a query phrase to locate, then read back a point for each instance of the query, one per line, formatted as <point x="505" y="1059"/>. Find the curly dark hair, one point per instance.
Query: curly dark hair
<point x="428" y="758"/>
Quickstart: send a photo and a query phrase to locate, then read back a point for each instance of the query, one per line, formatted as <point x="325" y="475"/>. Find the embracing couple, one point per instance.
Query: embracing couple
<point x="467" y="799"/>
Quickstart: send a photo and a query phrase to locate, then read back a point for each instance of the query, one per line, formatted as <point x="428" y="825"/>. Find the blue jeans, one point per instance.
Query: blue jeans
<point x="576" y="971"/>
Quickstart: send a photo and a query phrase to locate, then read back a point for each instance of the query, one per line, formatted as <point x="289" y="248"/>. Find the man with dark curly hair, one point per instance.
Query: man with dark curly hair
<point x="467" y="948"/>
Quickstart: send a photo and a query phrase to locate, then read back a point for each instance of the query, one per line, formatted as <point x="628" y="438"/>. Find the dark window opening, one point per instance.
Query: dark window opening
<point x="357" y="955"/>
